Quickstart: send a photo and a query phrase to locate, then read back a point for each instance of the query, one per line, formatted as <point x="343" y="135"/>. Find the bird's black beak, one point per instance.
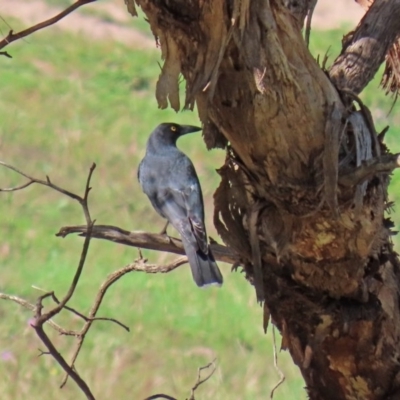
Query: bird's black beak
<point x="188" y="129"/>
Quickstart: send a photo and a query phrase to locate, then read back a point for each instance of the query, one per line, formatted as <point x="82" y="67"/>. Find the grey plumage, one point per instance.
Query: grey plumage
<point x="168" y="178"/>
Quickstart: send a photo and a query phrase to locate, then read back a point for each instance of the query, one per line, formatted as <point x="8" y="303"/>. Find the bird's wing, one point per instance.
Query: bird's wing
<point x="190" y="200"/>
<point x="195" y="210"/>
<point x="178" y="198"/>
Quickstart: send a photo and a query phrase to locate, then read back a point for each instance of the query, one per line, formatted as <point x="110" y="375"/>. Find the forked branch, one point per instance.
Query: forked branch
<point x="199" y="381"/>
<point x="41" y="318"/>
<point x="12" y="37"/>
<point x="137" y="239"/>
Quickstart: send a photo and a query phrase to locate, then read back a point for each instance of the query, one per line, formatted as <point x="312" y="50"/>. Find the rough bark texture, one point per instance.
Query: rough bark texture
<point x="300" y="200"/>
<point x="365" y="49"/>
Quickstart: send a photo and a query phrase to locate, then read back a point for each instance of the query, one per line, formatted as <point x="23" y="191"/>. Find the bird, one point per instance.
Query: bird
<point x="168" y="178"/>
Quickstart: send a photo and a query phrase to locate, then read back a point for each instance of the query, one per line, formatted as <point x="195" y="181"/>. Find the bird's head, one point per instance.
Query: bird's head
<point x="170" y="132"/>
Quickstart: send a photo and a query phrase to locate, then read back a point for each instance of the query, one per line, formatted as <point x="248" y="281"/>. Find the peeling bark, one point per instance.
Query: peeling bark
<point x="303" y="189"/>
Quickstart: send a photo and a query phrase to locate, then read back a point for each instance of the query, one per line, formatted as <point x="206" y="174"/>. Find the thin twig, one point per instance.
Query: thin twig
<point x="83" y="201"/>
<point x="14" y="189"/>
<point x="60" y="359"/>
<point x="138" y="265"/>
<point x="281" y="374"/>
<point x="41" y="318"/>
<point x="32" y="307"/>
<point x="71" y="290"/>
<point x="32" y="180"/>
<point x="4" y="53"/>
<point x="201" y="381"/>
<point x="86" y="319"/>
<point x="37" y="324"/>
<point x="11" y="37"/>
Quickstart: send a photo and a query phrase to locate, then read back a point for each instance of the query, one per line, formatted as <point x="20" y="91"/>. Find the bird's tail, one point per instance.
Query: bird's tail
<point x="205" y="270"/>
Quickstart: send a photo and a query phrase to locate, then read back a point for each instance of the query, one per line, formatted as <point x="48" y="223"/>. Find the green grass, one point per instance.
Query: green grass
<point x="66" y="102"/>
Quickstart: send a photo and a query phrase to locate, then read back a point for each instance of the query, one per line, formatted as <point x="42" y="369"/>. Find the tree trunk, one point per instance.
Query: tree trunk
<point x="304" y="186"/>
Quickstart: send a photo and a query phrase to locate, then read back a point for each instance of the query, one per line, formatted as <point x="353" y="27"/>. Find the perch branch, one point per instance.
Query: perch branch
<point x="107" y="232"/>
<point x="145" y="240"/>
<point x="12" y="37"/>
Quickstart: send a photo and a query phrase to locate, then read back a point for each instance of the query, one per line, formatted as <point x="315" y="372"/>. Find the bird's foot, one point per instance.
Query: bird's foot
<point x="236" y="266"/>
<point x="212" y="240"/>
<point x="141" y="258"/>
<point x="164" y="230"/>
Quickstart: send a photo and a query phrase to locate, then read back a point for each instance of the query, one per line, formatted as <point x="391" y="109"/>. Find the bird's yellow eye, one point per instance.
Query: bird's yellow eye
<point x="173" y="128"/>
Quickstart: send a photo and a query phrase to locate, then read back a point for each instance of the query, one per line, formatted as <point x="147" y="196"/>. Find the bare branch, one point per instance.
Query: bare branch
<point x="110" y="233"/>
<point x="4" y="53"/>
<point x="146" y="240"/>
<point x="72" y="310"/>
<point x="196" y="385"/>
<point x="139" y="265"/>
<point x="14" y="189"/>
<point x="201" y="381"/>
<point x="39" y="181"/>
<point x="160" y="242"/>
<point x="60" y="359"/>
<point x="40" y="319"/>
<point x="32" y="307"/>
<point x="12" y="37"/>
<point x="43" y="318"/>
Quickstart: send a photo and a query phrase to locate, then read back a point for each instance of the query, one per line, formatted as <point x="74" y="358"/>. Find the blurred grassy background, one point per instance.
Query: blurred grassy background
<point x="67" y="101"/>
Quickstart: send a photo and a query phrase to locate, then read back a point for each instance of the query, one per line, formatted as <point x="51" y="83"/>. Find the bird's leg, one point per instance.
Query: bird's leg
<point x="164" y="230"/>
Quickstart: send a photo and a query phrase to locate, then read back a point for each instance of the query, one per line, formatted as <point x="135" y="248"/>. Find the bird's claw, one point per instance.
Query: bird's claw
<point x="164" y="230"/>
<point x="236" y="266"/>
